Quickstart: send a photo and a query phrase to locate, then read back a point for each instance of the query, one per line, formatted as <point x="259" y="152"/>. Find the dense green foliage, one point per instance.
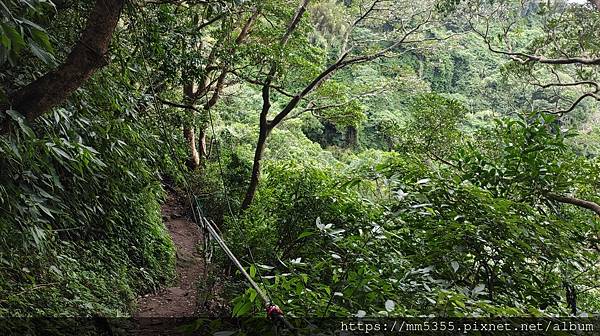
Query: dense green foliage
<point x="81" y="229"/>
<point x="80" y="220"/>
<point x="426" y="180"/>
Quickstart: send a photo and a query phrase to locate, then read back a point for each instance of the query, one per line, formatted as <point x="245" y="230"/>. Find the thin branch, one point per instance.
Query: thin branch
<point x="431" y="154"/>
<point x="294" y="22"/>
<point x="211" y="21"/>
<point x="309" y="88"/>
<point x="437" y="39"/>
<point x="325" y="107"/>
<point x="575" y="103"/>
<point x="524" y="58"/>
<point x="402" y="40"/>
<point x="594" y="84"/>
<point x="261" y="83"/>
<point x="365" y="14"/>
<point x="173" y="104"/>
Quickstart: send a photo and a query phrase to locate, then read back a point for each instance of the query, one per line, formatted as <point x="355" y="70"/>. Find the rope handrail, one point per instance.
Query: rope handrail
<point x="273" y="311"/>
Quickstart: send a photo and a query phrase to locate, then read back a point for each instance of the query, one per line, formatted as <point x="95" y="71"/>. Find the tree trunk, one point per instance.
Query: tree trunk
<point x="571" y="296"/>
<point x="189" y="132"/>
<point x="351" y="137"/>
<point x="192" y="96"/>
<point x="190" y="137"/>
<point x="206" y="110"/>
<point x="87" y="56"/>
<point x="596" y="4"/>
<point x="258" y="155"/>
<point x="202" y="139"/>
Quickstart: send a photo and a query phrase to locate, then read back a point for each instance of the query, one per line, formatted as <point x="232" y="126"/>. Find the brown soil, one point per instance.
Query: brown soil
<point x="181" y="299"/>
<point x="179" y="306"/>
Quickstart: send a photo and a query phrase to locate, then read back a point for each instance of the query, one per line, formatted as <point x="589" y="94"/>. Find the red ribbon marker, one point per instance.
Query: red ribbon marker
<point x="273" y="311"/>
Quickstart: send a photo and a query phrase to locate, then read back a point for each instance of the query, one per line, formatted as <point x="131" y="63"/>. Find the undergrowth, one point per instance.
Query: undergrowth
<point x="80" y="226"/>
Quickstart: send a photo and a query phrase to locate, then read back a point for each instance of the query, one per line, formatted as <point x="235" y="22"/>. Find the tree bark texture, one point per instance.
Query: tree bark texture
<point x="87" y="56"/>
<point x="351" y="137"/>
<point x="264" y="131"/>
<point x="189" y="132"/>
<point x="576" y="201"/>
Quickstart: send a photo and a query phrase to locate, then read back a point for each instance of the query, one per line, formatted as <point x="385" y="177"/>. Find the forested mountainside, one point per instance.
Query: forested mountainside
<point x="360" y="157"/>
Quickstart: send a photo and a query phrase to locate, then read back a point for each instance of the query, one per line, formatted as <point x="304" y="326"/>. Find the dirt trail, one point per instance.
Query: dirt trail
<point x="181" y="299"/>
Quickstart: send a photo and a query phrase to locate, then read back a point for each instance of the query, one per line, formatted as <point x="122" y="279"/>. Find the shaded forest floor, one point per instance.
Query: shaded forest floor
<point x="181" y="299"/>
<point x="194" y="293"/>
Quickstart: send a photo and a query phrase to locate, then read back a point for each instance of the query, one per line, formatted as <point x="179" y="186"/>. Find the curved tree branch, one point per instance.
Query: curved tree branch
<point x="87" y="56"/>
<point x="524" y="58"/>
<point x="575" y="103"/>
<point x="594" y="84"/>
<point x="595" y="207"/>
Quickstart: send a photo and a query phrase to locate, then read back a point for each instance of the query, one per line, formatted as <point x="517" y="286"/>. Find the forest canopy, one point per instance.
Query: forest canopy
<point x="359" y="157"/>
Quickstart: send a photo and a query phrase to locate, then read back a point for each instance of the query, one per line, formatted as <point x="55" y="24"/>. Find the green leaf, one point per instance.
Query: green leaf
<point x="40" y="53"/>
<point x="55" y="269"/>
<point x="5" y="41"/>
<point x="253" y="294"/>
<point x="16" y="39"/>
<point x="224" y="333"/>
<point x="38" y="235"/>
<point x="45" y="210"/>
<point x="42" y="39"/>
<point x="306" y="234"/>
<point x="455" y="266"/>
<point x="16" y="116"/>
<point x="62" y="153"/>
<point x="34" y="25"/>
<point x="242" y="308"/>
<point x="304" y="278"/>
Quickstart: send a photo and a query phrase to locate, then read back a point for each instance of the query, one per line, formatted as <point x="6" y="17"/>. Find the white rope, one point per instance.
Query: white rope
<point x="208" y="224"/>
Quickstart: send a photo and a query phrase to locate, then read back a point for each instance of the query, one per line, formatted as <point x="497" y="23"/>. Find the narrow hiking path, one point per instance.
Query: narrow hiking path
<point x="180" y="300"/>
